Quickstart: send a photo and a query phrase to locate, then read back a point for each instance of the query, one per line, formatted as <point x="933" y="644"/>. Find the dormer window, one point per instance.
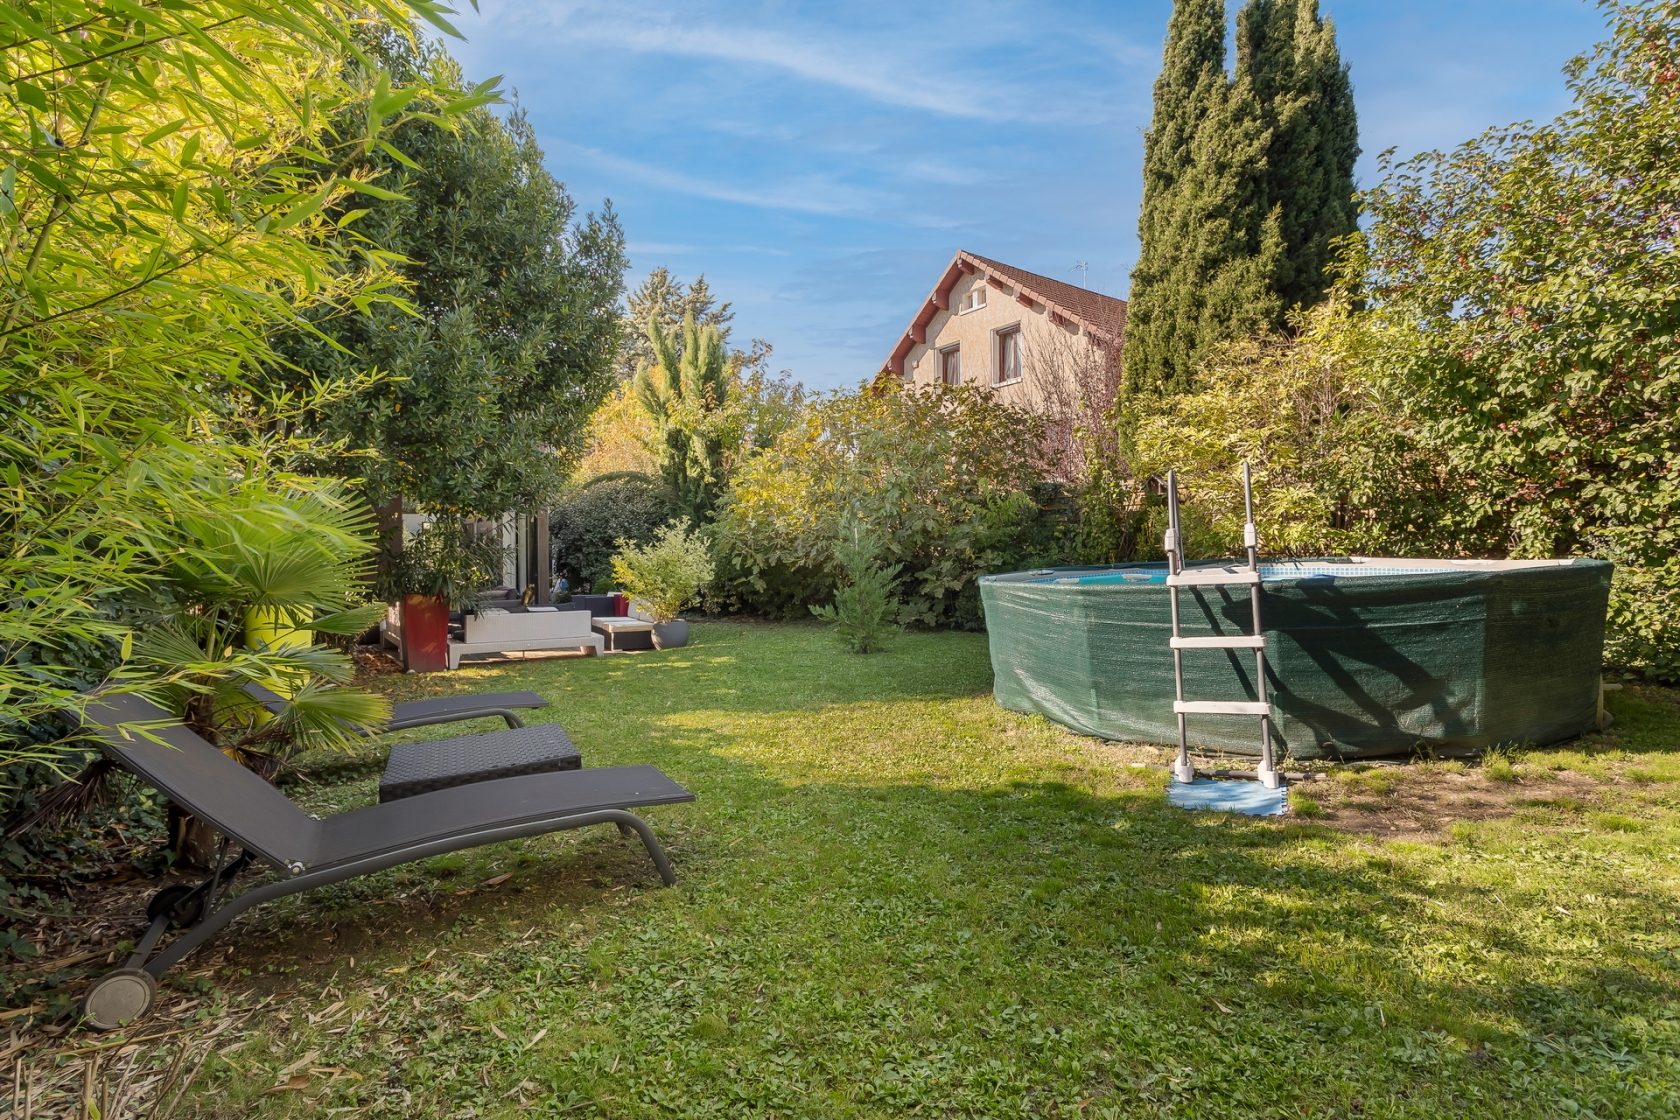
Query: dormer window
<point x="974" y="300"/>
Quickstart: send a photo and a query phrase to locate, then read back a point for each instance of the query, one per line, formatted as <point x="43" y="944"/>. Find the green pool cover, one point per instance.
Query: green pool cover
<point x="1366" y="657"/>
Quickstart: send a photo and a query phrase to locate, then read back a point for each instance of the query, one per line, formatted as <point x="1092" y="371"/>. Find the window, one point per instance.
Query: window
<point x="950" y="365"/>
<point x="1008" y="356"/>
<point x="973" y="301"/>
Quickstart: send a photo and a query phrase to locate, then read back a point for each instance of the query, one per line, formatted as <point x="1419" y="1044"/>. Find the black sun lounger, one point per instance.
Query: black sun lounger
<point x="311" y="852"/>
<point x="436" y="709"/>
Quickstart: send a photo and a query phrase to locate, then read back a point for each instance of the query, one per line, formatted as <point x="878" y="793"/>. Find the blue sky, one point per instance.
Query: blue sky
<point x="820" y="163"/>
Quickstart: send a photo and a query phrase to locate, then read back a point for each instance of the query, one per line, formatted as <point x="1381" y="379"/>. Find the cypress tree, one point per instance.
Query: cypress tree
<point x="1288" y="54"/>
<point x="1210" y="248"/>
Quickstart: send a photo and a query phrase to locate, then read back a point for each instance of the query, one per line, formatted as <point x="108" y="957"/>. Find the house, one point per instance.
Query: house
<point x="1042" y="344"/>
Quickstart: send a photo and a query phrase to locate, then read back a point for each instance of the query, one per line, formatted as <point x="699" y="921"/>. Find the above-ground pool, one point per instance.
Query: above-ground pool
<point x="1365" y="656"/>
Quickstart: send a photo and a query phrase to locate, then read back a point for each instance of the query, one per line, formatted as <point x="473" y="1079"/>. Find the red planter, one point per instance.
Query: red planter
<point x="425" y="633"/>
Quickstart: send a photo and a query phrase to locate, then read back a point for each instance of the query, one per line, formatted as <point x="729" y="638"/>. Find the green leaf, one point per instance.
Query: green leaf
<point x="363" y="187"/>
<point x="162" y="131"/>
<point x="31" y="95"/>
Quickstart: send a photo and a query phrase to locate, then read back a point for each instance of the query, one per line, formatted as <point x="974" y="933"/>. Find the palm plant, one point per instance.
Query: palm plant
<point x="683" y="390"/>
<point x="219" y="551"/>
<point x="250" y="547"/>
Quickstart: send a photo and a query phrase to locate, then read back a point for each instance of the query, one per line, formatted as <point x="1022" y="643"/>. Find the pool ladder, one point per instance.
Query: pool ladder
<point x="1224" y="576"/>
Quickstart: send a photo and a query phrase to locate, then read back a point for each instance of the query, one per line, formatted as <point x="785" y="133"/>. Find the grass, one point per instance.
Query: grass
<point x="898" y="899"/>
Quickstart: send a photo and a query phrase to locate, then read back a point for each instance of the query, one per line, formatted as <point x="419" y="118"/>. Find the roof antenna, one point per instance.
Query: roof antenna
<point x="1084" y="270"/>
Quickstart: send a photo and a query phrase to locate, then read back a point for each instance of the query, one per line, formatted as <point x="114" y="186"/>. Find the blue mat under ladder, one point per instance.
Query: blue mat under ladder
<point x="1229" y="796"/>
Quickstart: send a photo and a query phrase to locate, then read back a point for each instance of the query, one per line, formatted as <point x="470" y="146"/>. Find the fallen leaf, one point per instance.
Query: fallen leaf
<point x="291" y="1084"/>
<point x="307" y="1059"/>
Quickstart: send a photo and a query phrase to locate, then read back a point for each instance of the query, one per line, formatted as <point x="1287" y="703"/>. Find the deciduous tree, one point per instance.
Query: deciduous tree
<point x="506" y="347"/>
<point x="1525" y="299"/>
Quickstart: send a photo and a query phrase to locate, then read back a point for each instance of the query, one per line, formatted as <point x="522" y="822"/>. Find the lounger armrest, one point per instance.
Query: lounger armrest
<point x="454" y="717"/>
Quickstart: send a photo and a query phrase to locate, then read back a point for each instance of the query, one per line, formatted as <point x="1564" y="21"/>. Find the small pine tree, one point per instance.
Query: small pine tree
<point x="666" y="300"/>
<point x="866" y="605"/>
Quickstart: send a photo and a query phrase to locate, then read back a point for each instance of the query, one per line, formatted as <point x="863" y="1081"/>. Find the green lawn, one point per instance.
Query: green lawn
<point x="898" y="899"/>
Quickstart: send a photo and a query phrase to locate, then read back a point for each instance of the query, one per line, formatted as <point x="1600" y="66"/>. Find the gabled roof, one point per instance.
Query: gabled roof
<point x="1103" y="317"/>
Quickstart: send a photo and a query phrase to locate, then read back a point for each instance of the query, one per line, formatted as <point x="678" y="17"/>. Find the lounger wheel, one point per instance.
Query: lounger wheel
<point x="181" y="903"/>
<point x="119" y="998"/>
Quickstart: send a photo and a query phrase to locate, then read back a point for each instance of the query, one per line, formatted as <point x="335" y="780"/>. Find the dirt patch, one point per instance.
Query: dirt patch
<point x="49" y="1066"/>
<point x="1424" y="800"/>
<point x="374" y="661"/>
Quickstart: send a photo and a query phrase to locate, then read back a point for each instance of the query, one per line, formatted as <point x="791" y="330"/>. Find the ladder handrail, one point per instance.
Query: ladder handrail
<point x="1183" y="769"/>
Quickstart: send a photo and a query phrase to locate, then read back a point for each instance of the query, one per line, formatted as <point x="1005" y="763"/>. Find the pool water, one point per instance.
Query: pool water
<point x="1144" y="575"/>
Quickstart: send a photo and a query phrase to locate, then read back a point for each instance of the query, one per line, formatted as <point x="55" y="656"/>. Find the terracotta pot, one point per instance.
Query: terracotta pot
<point x="670" y="635"/>
<point x="425" y="633"/>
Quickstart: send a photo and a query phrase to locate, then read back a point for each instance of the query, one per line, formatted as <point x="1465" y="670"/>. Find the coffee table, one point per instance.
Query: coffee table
<point x="615" y="628"/>
<point x="440" y="763"/>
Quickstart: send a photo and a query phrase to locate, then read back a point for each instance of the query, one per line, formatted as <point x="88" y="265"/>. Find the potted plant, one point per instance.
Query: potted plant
<point x="665" y="576"/>
<point x="441" y="568"/>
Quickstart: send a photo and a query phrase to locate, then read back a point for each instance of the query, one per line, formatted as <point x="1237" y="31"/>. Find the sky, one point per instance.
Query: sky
<point x="821" y="163"/>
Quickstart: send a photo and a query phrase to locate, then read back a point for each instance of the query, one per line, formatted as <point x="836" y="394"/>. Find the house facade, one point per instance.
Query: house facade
<point x="1031" y="339"/>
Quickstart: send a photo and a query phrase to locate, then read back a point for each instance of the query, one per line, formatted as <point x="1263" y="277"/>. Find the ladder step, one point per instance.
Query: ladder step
<point x="1239" y="641"/>
<point x="1214" y="577"/>
<point x="1221" y="708"/>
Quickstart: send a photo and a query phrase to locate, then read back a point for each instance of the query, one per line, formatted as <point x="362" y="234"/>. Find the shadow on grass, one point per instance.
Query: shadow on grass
<point x="878" y="923"/>
<point x="895" y="896"/>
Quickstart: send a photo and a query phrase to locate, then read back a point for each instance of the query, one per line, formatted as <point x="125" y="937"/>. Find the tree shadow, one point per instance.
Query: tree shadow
<point x="990" y="914"/>
<point x="885" y="905"/>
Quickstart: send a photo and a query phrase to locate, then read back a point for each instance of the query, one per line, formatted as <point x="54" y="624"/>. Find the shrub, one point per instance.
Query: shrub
<point x="946" y="476"/>
<point x="444" y="558"/>
<point x="865" y="603"/>
<point x="591" y="522"/>
<point x="667" y="574"/>
<point x="1523" y="300"/>
<point x="1331" y="473"/>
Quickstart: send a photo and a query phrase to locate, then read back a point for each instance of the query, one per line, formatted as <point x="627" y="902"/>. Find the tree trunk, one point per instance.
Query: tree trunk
<point x="389" y="543"/>
<point x="192" y="841"/>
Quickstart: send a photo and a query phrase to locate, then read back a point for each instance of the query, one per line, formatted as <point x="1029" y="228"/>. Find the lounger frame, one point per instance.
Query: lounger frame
<point x="308" y="851"/>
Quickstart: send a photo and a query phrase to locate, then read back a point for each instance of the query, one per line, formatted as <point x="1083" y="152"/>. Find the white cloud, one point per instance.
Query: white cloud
<point x="923" y="72"/>
<point x="659" y="248"/>
<point x="810" y="194"/>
